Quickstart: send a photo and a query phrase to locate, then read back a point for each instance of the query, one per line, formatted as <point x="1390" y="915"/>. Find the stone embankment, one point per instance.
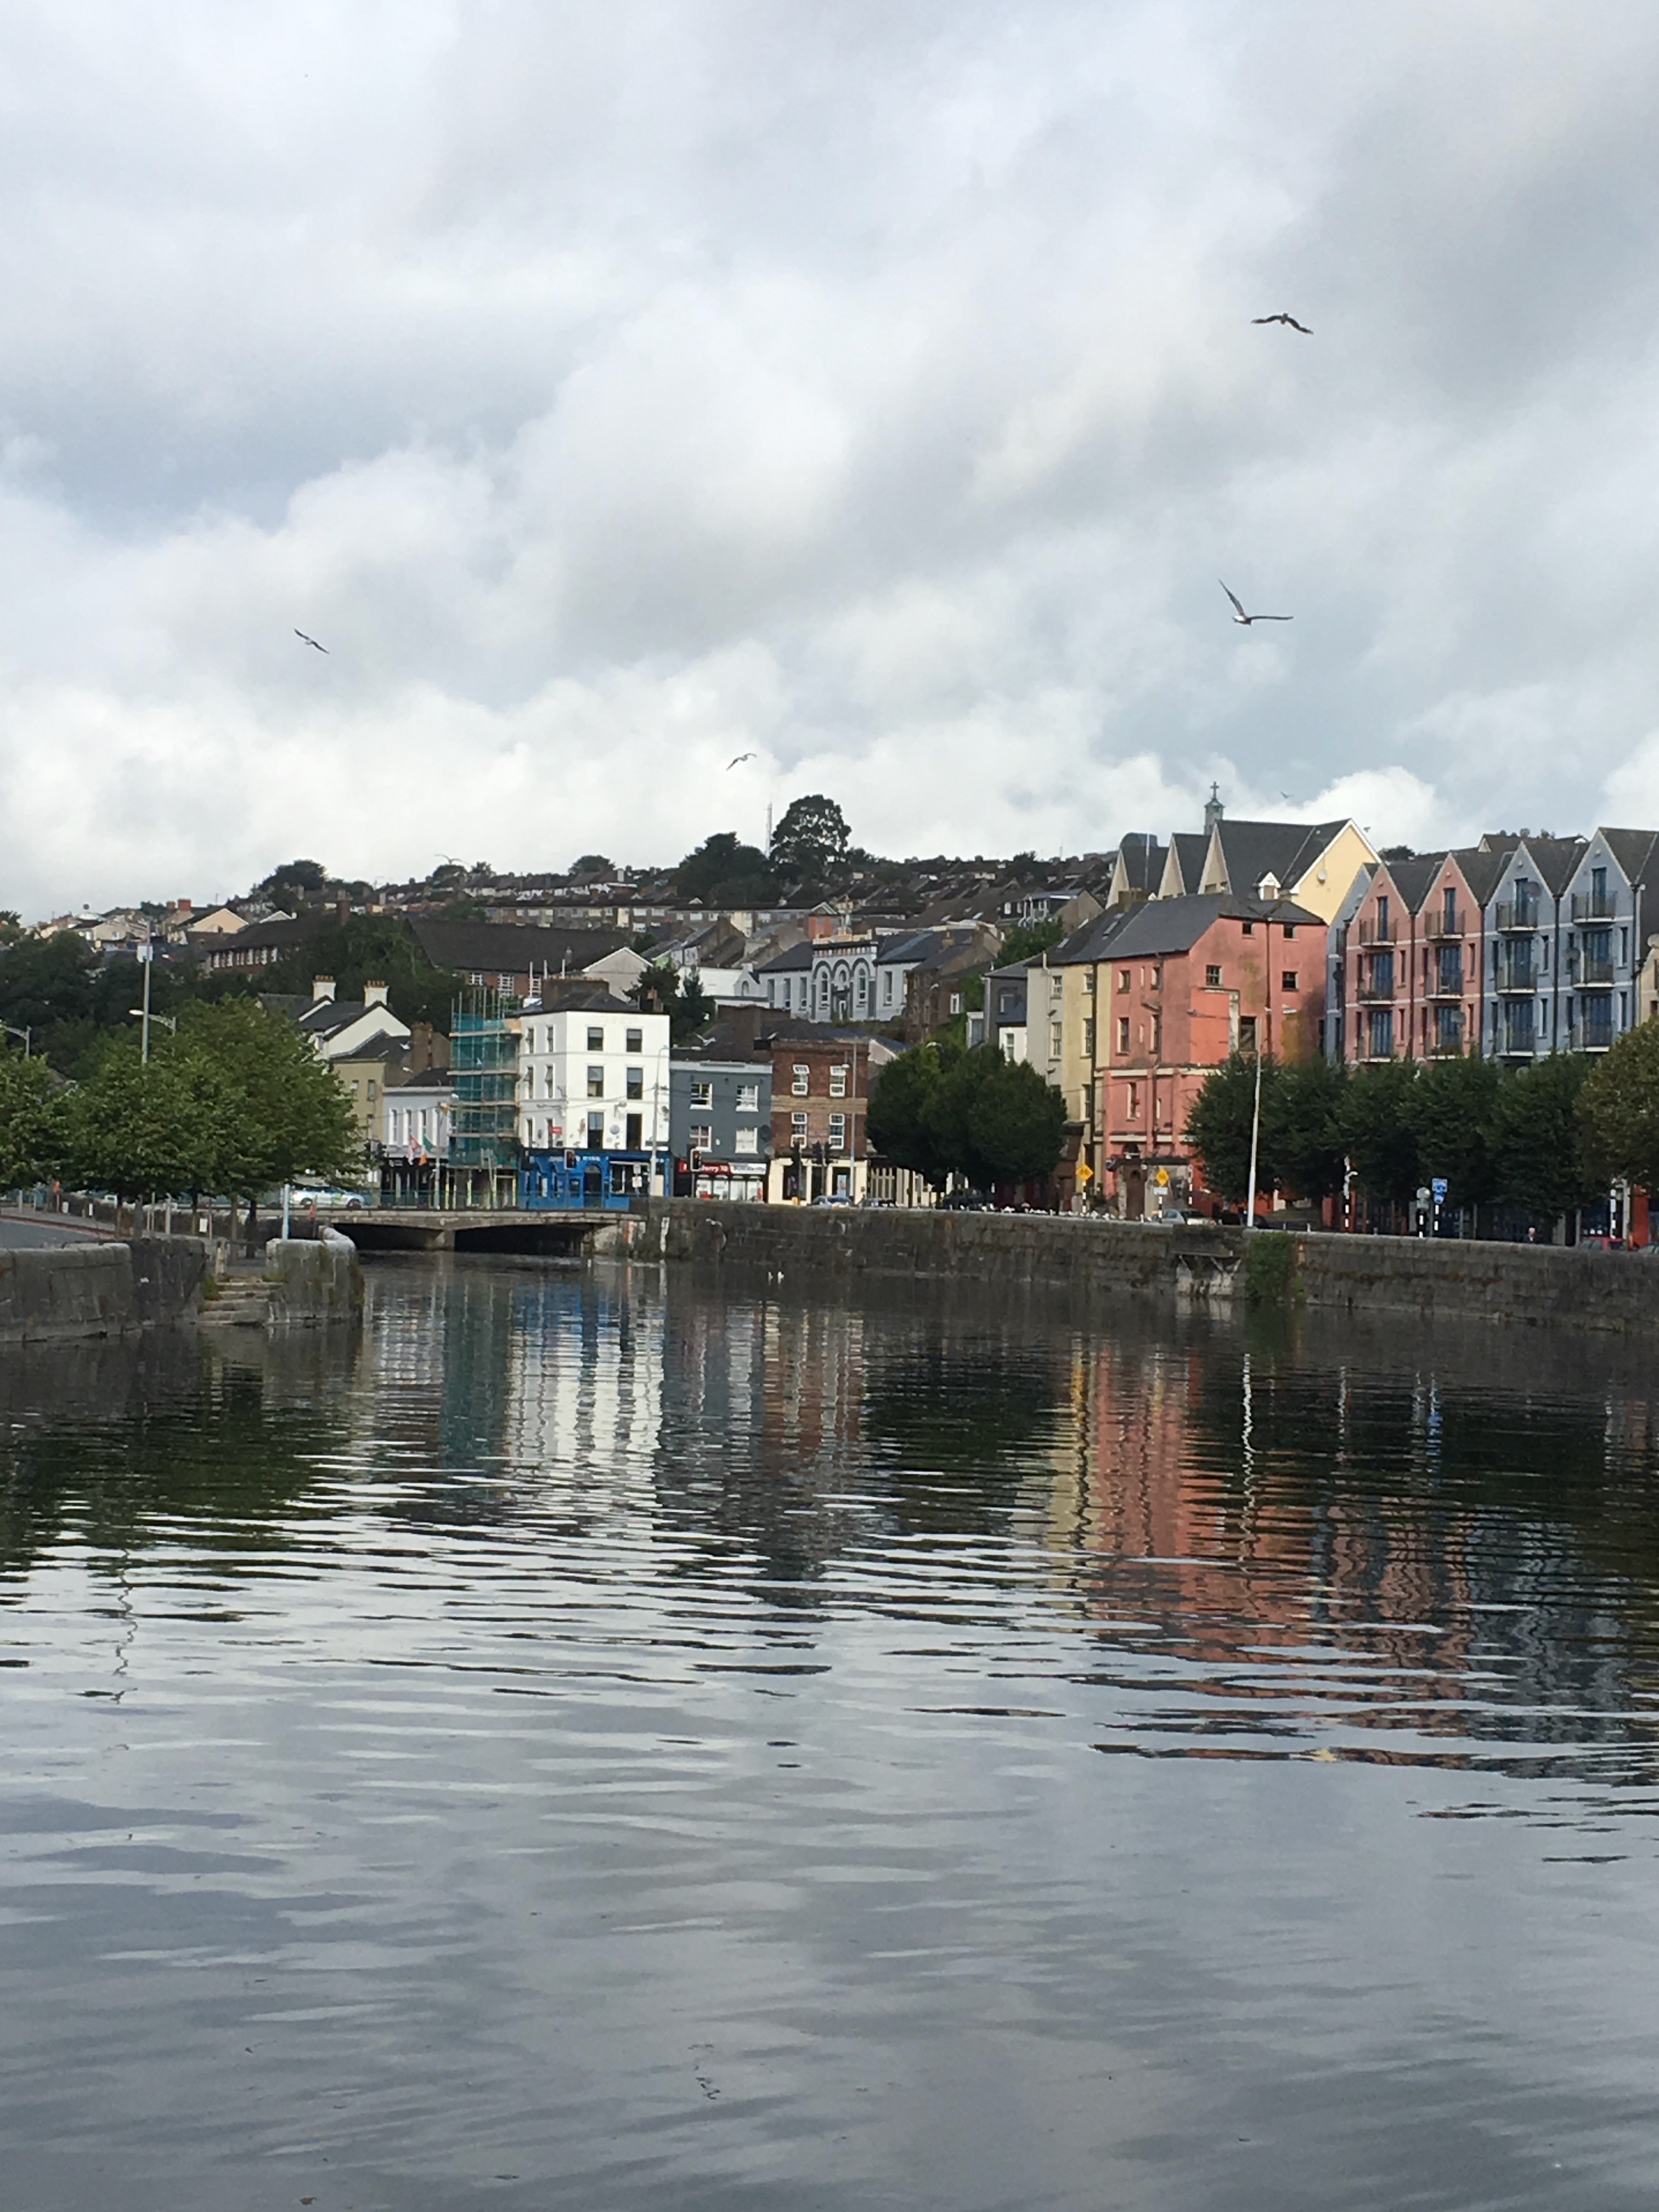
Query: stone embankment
<point x="60" y="1293"/>
<point x="1528" y="1285"/>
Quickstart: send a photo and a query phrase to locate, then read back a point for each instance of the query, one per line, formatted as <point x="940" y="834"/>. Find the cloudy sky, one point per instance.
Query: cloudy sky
<point x="614" y="390"/>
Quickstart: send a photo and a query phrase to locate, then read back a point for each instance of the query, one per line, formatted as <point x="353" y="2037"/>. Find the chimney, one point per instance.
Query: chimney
<point x="322" y="987"/>
<point x="374" y="994"/>
<point x="341" y="909"/>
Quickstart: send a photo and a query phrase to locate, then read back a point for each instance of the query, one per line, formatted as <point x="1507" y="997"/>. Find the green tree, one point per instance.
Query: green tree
<point x="1309" y="1151"/>
<point x="1218" y="1126"/>
<point x="1619" y="1109"/>
<point x="1379" y="1130"/>
<point x="31" y="1122"/>
<point x="1028" y="940"/>
<point x="364" y="948"/>
<point x="154" y="1130"/>
<point x="1538" y="1140"/>
<point x="903" y="1125"/>
<point x="296" y="883"/>
<point x="288" y="1114"/>
<point x="810" y="844"/>
<point x="1453" y="1108"/>
<point x="666" y="989"/>
<point x="723" y="872"/>
<point x="1016" y="1124"/>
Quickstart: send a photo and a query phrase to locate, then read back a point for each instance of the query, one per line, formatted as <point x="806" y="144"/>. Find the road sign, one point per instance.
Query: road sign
<point x="1084" y="1172"/>
<point x="1439" y="1186"/>
<point x="1162" y="1178"/>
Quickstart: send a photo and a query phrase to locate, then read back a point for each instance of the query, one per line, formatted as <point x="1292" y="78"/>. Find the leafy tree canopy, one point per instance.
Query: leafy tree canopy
<point x="664" y="989"/>
<point x="810" y="844"/>
<point x="31" y="1122"/>
<point x="592" y="868"/>
<point x="940" y="1111"/>
<point x="364" y="948"/>
<point x="1026" y="939"/>
<point x="1453" y="1108"/>
<point x="1379" y="1127"/>
<point x="296" y="883"/>
<point x="723" y="872"/>
<point x="1619" y="1108"/>
<point x="1538" y="1154"/>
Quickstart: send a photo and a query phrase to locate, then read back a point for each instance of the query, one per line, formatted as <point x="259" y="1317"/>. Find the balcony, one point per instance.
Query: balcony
<point x="1373" y="994"/>
<point x="1516" y="976"/>
<point x="1592" y="906"/>
<point x="1446" y="1044"/>
<point x="1438" y="927"/>
<point x="1378" y="933"/>
<point x="1518" y="913"/>
<point x="1594" y="974"/>
<point x="1590" y="1036"/>
<point x="1518" y="1044"/>
<point x="1444" y="983"/>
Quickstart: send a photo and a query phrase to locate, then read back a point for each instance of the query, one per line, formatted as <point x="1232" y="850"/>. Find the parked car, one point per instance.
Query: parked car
<point x="324" y="1197"/>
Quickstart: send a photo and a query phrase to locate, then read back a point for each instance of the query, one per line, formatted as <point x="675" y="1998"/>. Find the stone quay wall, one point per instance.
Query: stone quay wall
<point x="61" y="1291"/>
<point x="1528" y="1286"/>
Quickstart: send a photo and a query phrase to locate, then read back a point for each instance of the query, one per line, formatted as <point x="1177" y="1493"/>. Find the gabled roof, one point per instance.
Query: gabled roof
<point x="573" y="995"/>
<point x="1633" y="849"/>
<point x="1555" y="858"/>
<point x="1283" y="850"/>
<point x="1187" y="851"/>
<point x="1413" y="878"/>
<point x="1141" y="859"/>
<point x="1482" y="865"/>
<point x="1089" y="943"/>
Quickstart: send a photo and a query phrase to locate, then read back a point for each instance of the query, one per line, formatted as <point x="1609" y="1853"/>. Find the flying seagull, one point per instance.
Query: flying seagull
<point x="1289" y="321"/>
<point x="738" y="762"/>
<point x="1239" y="615"/>
<point x="310" y="640"/>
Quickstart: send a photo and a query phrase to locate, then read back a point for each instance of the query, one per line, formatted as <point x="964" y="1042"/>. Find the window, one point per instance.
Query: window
<point x="1123" y="1032"/>
<point x="634" y="1081"/>
<point x="1247" y="929"/>
<point x="702" y="1091"/>
<point x="596" y="1083"/>
<point x="746" y="1141"/>
<point x="838" y="1132"/>
<point x="1055" y="1040"/>
<point x="1088" y="979"/>
<point x="803" y="1077"/>
<point x="1212" y="978"/>
<point x="797" y="1129"/>
<point x="838" y="1078"/>
<point x="956" y="1002"/>
<point x="887" y="987"/>
<point x="1247" y="1033"/>
<point x="1287" y="980"/>
<point x="748" y="1098"/>
<point x="699" y="1137"/>
<point x="1123" y="979"/>
<point x="633" y="1134"/>
<point x="1290" y="929"/>
<point x="1134" y="1101"/>
<point x="1007" y="1003"/>
<point x="635" y="1041"/>
<point x="1089" y="1039"/>
<point x="596" y="1040"/>
<point x="1383" y="915"/>
<point x="596" y="1132"/>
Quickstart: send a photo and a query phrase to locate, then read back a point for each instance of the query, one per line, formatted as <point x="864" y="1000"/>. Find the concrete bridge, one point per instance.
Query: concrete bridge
<point x="430" y="1229"/>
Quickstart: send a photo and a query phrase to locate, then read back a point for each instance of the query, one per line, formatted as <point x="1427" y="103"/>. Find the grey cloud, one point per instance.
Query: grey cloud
<point x="872" y="387"/>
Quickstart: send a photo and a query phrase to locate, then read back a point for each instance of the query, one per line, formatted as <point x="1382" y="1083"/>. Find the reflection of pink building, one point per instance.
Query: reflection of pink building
<point x="1413" y="967"/>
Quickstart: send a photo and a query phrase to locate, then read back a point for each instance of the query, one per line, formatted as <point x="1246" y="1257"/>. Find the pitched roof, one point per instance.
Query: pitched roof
<point x="1633" y="849"/>
<point x="505" y="948"/>
<point x="1175" y="925"/>
<point x="1141" y="859"/>
<point x="1189" y="848"/>
<point x="1283" y="850"/>
<point x="1413" y="878"/>
<point x="1555" y="857"/>
<point x="789" y="962"/>
<point x="1088" y="942"/>
<point x="1482" y="865"/>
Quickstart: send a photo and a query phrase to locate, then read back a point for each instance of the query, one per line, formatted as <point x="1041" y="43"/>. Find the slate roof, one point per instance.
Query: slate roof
<point x="1481" y="870"/>
<point x="1283" y="850"/>
<point x="1633" y="849"/>
<point x="1412" y="879"/>
<point x="505" y="948"/>
<point x="1189" y="848"/>
<point x="1141" y="858"/>
<point x="1555" y="858"/>
<point x="1175" y="925"/>
<point x="791" y="962"/>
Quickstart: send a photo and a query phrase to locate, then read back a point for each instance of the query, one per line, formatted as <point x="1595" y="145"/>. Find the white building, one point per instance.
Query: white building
<point x="592" y="1074"/>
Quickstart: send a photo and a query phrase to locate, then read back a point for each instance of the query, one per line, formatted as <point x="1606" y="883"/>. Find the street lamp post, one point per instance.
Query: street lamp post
<point x="1266" y="1019"/>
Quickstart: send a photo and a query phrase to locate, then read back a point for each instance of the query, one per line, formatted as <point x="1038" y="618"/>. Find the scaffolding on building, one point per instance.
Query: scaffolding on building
<point x="484" y="1151"/>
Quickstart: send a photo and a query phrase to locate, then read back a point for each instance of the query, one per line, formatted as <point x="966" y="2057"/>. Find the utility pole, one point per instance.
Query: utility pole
<point x="147" y="954"/>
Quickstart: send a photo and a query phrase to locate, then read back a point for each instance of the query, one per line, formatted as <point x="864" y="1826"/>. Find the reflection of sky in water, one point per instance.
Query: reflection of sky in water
<point x="675" y="1747"/>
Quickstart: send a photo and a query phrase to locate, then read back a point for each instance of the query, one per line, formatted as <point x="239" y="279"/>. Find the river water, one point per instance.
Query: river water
<point x="611" y="1741"/>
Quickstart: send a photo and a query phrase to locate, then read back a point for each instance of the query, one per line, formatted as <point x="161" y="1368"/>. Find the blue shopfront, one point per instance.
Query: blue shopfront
<point x="570" y="1182"/>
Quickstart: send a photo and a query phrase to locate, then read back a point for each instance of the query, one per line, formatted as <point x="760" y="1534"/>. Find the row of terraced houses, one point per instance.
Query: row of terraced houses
<point x="1302" y="937"/>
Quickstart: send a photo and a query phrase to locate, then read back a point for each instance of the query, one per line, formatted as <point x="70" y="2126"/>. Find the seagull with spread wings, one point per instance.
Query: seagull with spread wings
<point x="738" y="762"/>
<point x="310" y="640"/>
<point x="1289" y="321"/>
<point x="1239" y="615"/>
